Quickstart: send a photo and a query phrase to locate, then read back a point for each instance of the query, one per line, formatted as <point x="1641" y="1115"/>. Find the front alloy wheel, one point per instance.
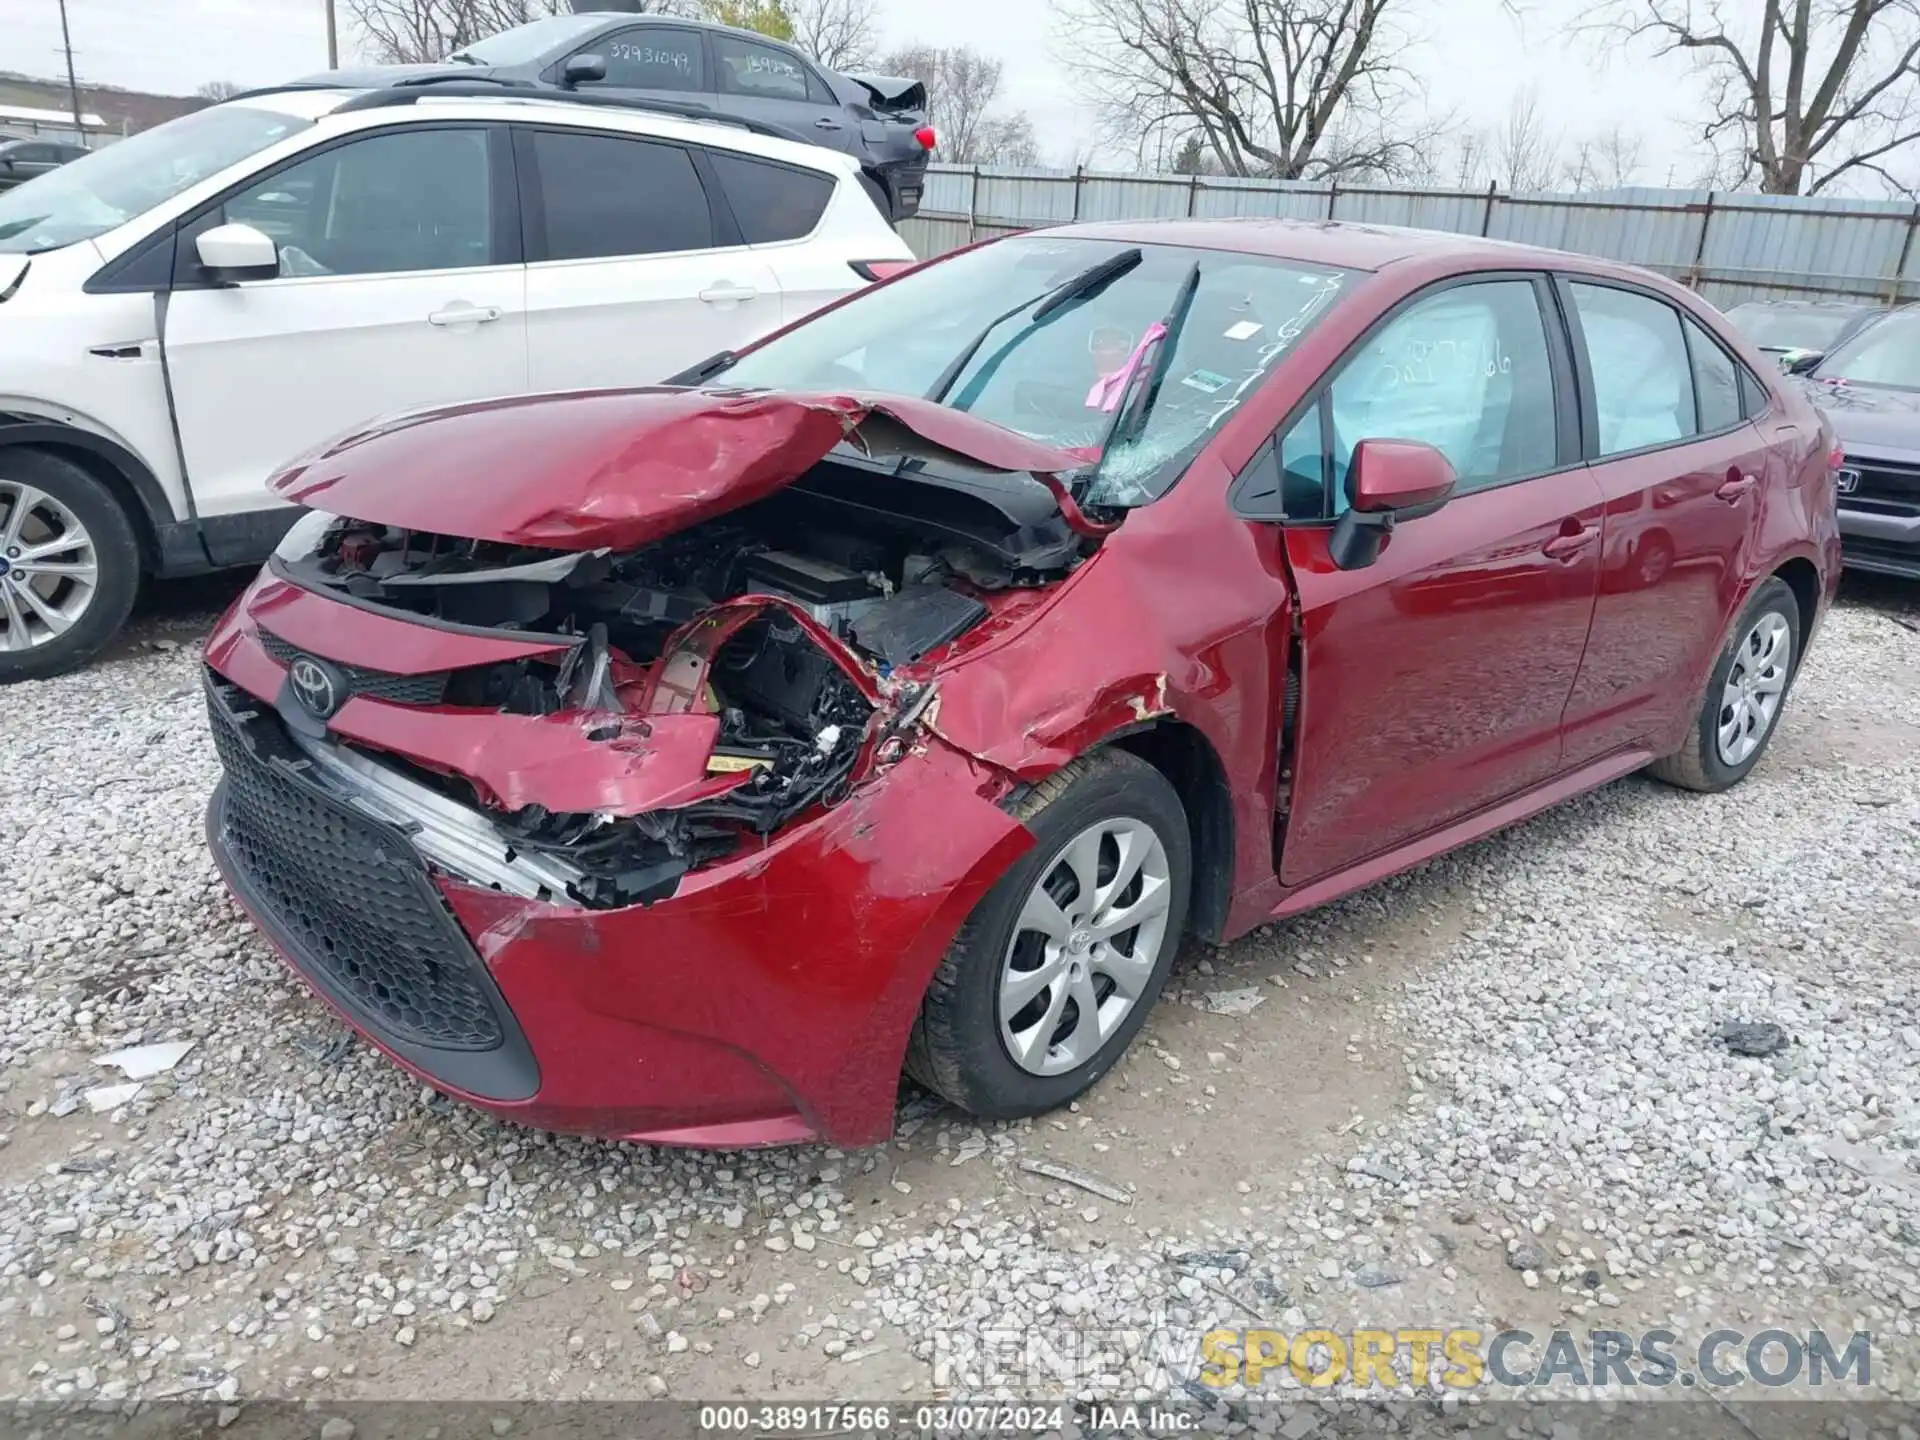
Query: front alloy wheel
<point x="1054" y="972"/>
<point x="69" y="564"/>
<point x="48" y="569"/>
<point x="1085" y="946"/>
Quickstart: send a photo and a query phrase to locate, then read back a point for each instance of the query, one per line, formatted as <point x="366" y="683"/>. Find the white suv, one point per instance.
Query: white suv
<point x="182" y="311"/>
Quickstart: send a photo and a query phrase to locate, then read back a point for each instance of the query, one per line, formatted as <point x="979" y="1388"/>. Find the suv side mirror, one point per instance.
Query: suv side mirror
<point x="1388" y="481"/>
<point x="579" y="69"/>
<point x="1802" y="362"/>
<point x="238" y="252"/>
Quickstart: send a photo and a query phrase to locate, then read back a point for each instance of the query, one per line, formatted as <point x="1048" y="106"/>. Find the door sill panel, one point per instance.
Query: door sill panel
<point x="1462" y="832"/>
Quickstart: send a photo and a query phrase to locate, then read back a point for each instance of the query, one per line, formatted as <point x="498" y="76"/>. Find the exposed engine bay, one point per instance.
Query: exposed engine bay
<point x="786" y="621"/>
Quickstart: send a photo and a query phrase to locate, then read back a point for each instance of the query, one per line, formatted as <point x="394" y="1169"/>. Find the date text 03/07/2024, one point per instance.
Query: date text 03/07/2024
<point x="939" y="1418"/>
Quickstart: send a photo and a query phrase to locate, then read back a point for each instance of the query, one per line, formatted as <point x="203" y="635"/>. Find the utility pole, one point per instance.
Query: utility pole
<point x="73" y="86"/>
<point x="333" y="38"/>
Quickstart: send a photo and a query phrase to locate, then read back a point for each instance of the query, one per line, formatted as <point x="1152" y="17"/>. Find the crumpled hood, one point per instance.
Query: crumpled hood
<point x="1868" y="415"/>
<point x="619" y="468"/>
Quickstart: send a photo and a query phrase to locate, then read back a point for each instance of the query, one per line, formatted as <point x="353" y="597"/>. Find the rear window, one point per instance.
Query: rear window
<point x="772" y="202"/>
<point x="606" y="195"/>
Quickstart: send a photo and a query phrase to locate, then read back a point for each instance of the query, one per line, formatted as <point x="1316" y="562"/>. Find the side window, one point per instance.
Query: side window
<point x="771" y="202"/>
<point x="414" y="199"/>
<point x="606" y="195"/>
<point x="1465" y="370"/>
<point x="1642" y="379"/>
<point x="35" y="154"/>
<point x="1753" y="395"/>
<point x="649" y="57"/>
<point x="1303" y="469"/>
<point x="744" y="68"/>
<point x="1716" y="381"/>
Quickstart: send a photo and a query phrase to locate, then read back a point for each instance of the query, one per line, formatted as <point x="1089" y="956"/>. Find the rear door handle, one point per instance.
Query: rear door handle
<point x="461" y="313"/>
<point x="1567" y="545"/>
<point x="1734" y="488"/>
<point x="725" y="292"/>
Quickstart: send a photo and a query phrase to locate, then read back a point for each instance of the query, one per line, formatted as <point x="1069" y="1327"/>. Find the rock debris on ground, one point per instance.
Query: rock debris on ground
<point x="1497" y="1091"/>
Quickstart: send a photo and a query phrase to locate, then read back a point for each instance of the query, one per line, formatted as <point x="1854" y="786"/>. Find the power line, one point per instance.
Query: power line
<point x="73" y="86"/>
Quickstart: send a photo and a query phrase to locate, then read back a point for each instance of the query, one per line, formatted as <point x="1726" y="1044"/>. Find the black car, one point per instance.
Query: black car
<point x="702" y="69"/>
<point x="1869" y="387"/>
<point x="1798" y="332"/>
<point x="21" y="160"/>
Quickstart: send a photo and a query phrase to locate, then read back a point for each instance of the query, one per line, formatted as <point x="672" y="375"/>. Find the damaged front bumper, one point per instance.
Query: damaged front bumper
<point x="766" y="1000"/>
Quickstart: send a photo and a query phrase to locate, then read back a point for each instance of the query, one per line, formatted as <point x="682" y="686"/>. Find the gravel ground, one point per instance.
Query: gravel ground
<point x="1492" y="1092"/>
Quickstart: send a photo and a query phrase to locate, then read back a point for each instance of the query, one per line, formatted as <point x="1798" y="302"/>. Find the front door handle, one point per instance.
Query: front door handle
<point x="461" y="313"/>
<point x="823" y="123"/>
<point x="1568" y="544"/>
<point x="725" y="292"/>
<point x="1734" y="488"/>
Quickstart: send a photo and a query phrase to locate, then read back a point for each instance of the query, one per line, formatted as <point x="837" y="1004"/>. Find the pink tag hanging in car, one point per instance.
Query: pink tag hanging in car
<point x="1107" y="390"/>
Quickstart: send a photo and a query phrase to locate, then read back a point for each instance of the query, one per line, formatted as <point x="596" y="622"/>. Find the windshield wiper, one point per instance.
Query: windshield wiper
<point x="461" y="57"/>
<point x="1049" y="303"/>
<point x="1130" y="415"/>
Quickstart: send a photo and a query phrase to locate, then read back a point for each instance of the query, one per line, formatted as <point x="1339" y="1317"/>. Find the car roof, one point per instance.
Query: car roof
<point x="318" y="103"/>
<point x="1344" y="243"/>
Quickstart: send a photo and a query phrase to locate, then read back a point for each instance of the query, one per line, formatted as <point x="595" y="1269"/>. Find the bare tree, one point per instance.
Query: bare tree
<point x="1006" y="140"/>
<point x="218" y="90"/>
<point x="840" y="34"/>
<point x="412" y="31"/>
<point x="409" y="32"/>
<point x="1525" y="148"/>
<point x="1608" y="160"/>
<point x="1270" y="85"/>
<point x="1802" y="94"/>
<point x="962" y="84"/>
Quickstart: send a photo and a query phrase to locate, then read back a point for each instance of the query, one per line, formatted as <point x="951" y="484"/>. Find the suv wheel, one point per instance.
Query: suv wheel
<point x="69" y="565"/>
<point x="1055" y="971"/>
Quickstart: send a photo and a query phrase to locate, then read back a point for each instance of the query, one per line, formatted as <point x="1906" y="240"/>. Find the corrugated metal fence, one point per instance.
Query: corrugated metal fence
<point x="1729" y="246"/>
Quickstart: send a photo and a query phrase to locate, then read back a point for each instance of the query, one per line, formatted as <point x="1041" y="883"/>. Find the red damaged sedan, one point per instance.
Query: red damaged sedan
<point x="681" y="763"/>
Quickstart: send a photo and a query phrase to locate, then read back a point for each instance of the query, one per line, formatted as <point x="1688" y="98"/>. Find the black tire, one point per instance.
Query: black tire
<point x="1698" y="764"/>
<point x="116" y="555"/>
<point x="956" y="1048"/>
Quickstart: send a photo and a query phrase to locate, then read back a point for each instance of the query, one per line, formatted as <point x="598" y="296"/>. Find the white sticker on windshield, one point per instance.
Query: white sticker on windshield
<point x="1243" y="330"/>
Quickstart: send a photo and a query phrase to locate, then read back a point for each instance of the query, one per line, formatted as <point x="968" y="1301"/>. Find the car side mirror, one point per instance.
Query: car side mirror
<point x="1804" y="362"/>
<point x="238" y="252"/>
<point x="581" y="69"/>
<point x="1387" y="481"/>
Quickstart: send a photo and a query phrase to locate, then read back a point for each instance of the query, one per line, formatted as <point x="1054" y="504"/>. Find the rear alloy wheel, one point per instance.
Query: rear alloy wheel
<point x="1054" y="972"/>
<point x="69" y="565"/>
<point x="1745" y="695"/>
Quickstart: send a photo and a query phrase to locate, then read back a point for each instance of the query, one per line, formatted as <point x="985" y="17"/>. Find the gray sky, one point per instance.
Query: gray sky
<point x="1473" y="64"/>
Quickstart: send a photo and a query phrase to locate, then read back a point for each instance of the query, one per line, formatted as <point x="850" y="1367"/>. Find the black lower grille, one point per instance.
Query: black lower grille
<point x="427" y="689"/>
<point x="349" y="892"/>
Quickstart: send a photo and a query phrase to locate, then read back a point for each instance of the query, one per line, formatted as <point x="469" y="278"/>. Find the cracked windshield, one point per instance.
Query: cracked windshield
<point x="1143" y="342"/>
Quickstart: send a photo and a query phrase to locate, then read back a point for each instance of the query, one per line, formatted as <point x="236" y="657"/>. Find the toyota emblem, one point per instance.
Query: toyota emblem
<point x="1846" y="480"/>
<point x="315" y="686"/>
